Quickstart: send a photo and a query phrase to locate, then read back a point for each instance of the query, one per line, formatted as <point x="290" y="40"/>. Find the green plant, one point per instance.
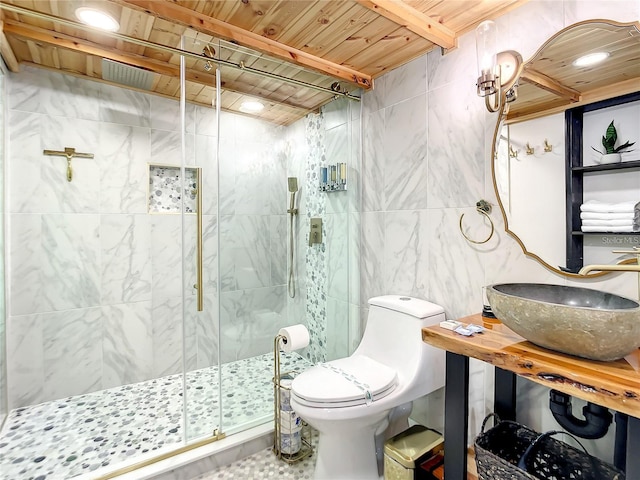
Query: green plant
<point x="609" y="142"/>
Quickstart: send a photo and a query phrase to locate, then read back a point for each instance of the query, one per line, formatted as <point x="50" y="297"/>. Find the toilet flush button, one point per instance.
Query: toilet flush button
<point x="405" y="299"/>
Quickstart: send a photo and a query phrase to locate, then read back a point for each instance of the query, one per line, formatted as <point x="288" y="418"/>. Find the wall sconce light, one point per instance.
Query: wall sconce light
<point x="497" y="71"/>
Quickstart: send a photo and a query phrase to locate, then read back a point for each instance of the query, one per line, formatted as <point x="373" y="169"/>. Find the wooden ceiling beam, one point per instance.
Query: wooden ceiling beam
<point x="550" y="85"/>
<point x="7" y="53"/>
<point x="173" y="12"/>
<point x="37" y="34"/>
<point x="414" y="20"/>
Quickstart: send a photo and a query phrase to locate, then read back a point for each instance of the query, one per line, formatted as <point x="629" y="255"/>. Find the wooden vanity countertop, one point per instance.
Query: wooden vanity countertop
<point x="614" y="385"/>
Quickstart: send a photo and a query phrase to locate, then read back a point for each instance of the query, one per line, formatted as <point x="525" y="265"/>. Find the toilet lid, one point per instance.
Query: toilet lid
<point x="350" y="381"/>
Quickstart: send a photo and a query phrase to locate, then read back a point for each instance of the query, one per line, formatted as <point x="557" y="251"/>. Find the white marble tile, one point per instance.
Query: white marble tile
<point x="405" y="151"/>
<point x="372" y="282"/>
<point x="72" y="355"/>
<point x="336" y="113"/>
<point x="456" y="146"/>
<point x="119" y="105"/>
<point x="166" y="314"/>
<point x="354" y="166"/>
<point x="355" y="328"/>
<point x="206" y="121"/>
<point x="337" y="151"/>
<point x="456" y="273"/>
<point x="127" y="344"/>
<point x="69" y="96"/>
<point x="354" y="249"/>
<point x="279" y="250"/>
<point x="405" y="82"/>
<point x="24" y="264"/>
<point x="25" y="361"/>
<point x="125" y="258"/>
<point x="457" y="65"/>
<point x="253" y="187"/>
<point x="336" y="250"/>
<point x="250" y="319"/>
<point x="228" y="195"/>
<point x="337" y="328"/>
<point x="24" y="90"/>
<point x="525" y="35"/>
<point x="249" y="129"/>
<point x="24" y="162"/>
<point x="166" y="256"/>
<point x="205" y="154"/>
<point x="70" y="265"/>
<point x="226" y="254"/>
<point x="373" y="162"/>
<point x="82" y="194"/>
<point x="207" y="332"/>
<point x="373" y="99"/>
<point x="164" y="114"/>
<point x="166" y="148"/>
<point x="125" y="152"/>
<point x="618" y="10"/>
<point x="406" y="263"/>
<point x="251" y="252"/>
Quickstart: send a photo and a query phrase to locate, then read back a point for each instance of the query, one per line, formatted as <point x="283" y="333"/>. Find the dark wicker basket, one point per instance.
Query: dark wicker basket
<point x="500" y="449"/>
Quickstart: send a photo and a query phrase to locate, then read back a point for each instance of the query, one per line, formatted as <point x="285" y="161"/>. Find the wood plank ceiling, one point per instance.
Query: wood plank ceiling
<point x="316" y="42"/>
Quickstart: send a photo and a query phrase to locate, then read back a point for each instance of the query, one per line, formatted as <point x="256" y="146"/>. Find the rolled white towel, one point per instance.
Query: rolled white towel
<point x="601" y="207"/>
<point x="606" y="228"/>
<point x="608" y="223"/>
<point x="636" y="218"/>
<point x="606" y="216"/>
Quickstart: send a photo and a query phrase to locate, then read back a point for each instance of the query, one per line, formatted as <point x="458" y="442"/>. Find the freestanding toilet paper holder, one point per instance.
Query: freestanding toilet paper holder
<point x="292" y="435"/>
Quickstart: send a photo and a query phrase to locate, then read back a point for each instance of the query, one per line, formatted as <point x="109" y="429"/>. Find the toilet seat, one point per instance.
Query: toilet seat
<point x="347" y="382"/>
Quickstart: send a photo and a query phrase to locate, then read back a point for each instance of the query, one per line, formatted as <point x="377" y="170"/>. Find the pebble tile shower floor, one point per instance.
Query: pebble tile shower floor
<point x="76" y="435"/>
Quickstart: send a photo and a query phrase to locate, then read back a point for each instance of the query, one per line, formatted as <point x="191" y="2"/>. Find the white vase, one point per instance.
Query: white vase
<point x="610" y="158"/>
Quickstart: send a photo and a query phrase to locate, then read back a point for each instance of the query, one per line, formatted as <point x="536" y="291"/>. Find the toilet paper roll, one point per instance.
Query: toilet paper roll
<point x="295" y="337"/>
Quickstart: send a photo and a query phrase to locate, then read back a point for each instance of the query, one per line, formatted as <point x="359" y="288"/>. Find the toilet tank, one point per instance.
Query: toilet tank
<point x="393" y="336"/>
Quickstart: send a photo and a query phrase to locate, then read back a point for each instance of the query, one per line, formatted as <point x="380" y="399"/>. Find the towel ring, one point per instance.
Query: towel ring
<point x="483" y="208"/>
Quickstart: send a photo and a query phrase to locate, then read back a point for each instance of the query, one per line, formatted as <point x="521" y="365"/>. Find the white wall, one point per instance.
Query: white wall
<point x="427" y="144"/>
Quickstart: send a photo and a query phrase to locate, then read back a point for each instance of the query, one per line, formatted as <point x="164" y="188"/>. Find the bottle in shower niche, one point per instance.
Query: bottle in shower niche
<point x="290" y="422"/>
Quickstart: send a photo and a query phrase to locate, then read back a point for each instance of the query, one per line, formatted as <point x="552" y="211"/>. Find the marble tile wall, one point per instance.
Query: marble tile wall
<point x="426" y="151"/>
<point x="94" y="280"/>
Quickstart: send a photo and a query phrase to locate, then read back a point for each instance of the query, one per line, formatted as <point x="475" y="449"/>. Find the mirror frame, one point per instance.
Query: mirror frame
<point x="502" y="117"/>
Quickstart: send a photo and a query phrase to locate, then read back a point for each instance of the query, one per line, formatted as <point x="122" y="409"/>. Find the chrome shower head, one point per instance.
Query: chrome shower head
<point x="293" y="184"/>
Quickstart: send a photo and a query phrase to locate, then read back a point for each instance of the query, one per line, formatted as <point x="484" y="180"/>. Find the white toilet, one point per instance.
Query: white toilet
<point x="351" y="401"/>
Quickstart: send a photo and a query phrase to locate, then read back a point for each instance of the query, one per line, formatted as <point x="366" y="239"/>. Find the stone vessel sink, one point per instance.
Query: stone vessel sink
<point x="578" y="321"/>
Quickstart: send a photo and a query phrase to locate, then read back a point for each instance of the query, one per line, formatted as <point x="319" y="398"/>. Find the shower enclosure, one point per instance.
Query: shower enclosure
<point x="108" y="360"/>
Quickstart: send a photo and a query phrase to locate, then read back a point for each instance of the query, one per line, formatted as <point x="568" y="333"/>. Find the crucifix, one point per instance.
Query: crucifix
<point x="69" y="153"/>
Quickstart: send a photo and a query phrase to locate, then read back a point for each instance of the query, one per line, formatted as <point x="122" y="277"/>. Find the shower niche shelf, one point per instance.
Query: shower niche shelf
<point x="166" y="189"/>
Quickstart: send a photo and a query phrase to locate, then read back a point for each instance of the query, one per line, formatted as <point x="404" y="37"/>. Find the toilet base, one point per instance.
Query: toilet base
<point x="348" y="456"/>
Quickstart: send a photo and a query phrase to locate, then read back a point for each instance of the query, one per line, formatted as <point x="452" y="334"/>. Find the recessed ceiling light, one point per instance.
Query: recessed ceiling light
<point x="590" y="59"/>
<point x="97" y="18"/>
<point x="251" y="106"/>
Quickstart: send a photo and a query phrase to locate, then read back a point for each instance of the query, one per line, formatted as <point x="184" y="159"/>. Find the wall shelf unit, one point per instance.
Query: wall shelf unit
<point x="575" y="171"/>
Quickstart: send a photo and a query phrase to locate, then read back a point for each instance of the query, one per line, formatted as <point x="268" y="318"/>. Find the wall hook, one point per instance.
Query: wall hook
<point x="513" y="153"/>
<point x="529" y="149"/>
<point x="483" y="208"/>
<point x="547" y="148"/>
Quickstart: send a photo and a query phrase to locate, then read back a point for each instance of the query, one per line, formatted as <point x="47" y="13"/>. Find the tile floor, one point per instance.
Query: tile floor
<point x="263" y="465"/>
<point x="76" y="435"/>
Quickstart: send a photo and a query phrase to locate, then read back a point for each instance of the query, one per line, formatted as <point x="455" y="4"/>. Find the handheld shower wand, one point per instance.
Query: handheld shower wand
<point x="293" y="188"/>
<point x="292" y="211"/>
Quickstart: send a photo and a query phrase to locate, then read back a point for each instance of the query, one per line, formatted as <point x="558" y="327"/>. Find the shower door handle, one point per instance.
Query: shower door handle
<point x="199" y="285"/>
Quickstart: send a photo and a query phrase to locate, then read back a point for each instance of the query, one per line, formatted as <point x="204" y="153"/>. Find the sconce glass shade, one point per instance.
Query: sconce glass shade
<point x="486" y="50"/>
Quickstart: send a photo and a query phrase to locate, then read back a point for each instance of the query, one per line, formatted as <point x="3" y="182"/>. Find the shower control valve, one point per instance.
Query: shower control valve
<point x="315" y="231"/>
